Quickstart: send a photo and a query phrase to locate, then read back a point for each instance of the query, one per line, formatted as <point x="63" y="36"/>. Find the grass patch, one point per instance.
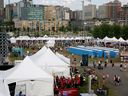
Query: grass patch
<point x="84" y="87"/>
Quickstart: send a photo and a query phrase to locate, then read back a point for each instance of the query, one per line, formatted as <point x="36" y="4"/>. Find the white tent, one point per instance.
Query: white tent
<point x="121" y="39"/>
<point x="106" y="39"/>
<point x="33" y="38"/>
<point x="23" y="38"/>
<point x="114" y="39"/>
<point x="4" y="89"/>
<point x="52" y="64"/>
<point x="45" y="36"/>
<point x="13" y="40"/>
<point x="39" y="53"/>
<point x="50" y="43"/>
<point x="62" y="57"/>
<point x="28" y="71"/>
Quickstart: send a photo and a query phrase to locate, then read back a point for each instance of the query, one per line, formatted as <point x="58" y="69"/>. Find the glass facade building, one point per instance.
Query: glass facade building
<point x="33" y="12"/>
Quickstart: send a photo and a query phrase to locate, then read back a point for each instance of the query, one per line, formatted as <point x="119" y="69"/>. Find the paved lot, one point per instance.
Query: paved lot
<point x="122" y="89"/>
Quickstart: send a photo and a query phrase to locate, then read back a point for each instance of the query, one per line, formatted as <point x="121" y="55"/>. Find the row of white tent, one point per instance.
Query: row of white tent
<point x="36" y="73"/>
<point x="114" y="39"/>
<point x="27" y="38"/>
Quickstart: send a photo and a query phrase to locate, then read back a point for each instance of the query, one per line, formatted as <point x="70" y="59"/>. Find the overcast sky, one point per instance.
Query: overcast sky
<point x="73" y="4"/>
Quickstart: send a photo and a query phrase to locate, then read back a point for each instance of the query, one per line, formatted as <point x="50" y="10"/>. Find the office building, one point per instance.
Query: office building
<point x="123" y="18"/>
<point x="114" y="9"/>
<point x="102" y="12"/>
<point x="1" y="10"/>
<point x="89" y="12"/>
<point x="33" y="12"/>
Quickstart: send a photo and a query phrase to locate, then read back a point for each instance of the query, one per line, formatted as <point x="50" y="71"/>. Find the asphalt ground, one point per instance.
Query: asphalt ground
<point x="122" y="89"/>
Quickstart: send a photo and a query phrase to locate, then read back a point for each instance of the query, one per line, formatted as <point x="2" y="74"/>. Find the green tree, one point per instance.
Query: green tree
<point x="63" y="29"/>
<point x="124" y="32"/>
<point x="104" y="30"/>
<point x="110" y="31"/>
<point x="96" y="31"/>
<point x="116" y="30"/>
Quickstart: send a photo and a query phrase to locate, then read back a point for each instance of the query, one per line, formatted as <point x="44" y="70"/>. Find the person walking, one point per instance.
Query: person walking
<point x="115" y="80"/>
<point x="105" y="64"/>
<point x="94" y="64"/>
<point x="125" y="67"/>
<point x="118" y="80"/>
<point x="113" y="64"/>
<point x="111" y="61"/>
<point x="121" y="67"/>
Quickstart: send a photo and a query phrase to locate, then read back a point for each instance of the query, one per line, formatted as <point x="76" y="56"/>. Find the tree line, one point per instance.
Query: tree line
<point x="114" y="30"/>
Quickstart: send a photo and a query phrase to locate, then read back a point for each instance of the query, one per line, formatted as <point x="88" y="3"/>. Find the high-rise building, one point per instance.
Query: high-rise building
<point x="89" y="11"/>
<point x="79" y="15"/>
<point x="3" y="46"/>
<point x="1" y="10"/>
<point x="76" y="15"/>
<point x="55" y="17"/>
<point x="16" y="13"/>
<point x="9" y="12"/>
<point x="123" y="18"/>
<point x="66" y="13"/>
<point x="50" y="18"/>
<point x="33" y="12"/>
<point x="114" y="9"/>
<point x="102" y="12"/>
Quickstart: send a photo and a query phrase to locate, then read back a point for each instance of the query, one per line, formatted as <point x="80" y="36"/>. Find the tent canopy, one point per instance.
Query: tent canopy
<point x="49" y="59"/>
<point x="4" y="91"/>
<point x="62" y="57"/>
<point x="13" y="40"/>
<point x="50" y="43"/>
<point x="27" y="71"/>
<point x="114" y="39"/>
<point x="52" y="64"/>
<point x="39" y="53"/>
<point x="121" y="39"/>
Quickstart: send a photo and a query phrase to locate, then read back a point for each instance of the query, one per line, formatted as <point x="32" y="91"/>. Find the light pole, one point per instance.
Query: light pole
<point x="83" y="17"/>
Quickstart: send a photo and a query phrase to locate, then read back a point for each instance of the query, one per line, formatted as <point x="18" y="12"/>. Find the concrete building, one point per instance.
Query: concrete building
<point x="1" y="10"/>
<point x="123" y="18"/>
<point x="89" y="12"/>
<point x="9" y="12"/>
<point x="102" y="12"/>
<point x="76" y="15"/>
<point x="14" y="13"/>
<point x="18" y="6"/>
<point x="76" y="18"/>
<point x="50" y="18"/>
<point x="66" y="13"/>
<point x="114" y="9"/>
<point x="55" y="17"/>
<point x="27" y="15"/>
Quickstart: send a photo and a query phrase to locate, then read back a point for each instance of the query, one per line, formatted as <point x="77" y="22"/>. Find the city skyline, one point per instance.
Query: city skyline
<point x="69" y="3"/>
